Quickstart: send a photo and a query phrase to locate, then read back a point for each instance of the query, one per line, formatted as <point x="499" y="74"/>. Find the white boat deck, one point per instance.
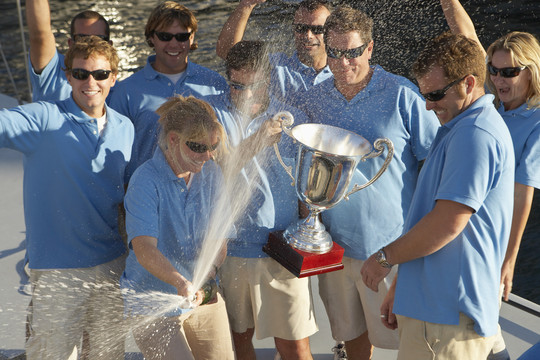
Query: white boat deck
<point x="520" y="329"/>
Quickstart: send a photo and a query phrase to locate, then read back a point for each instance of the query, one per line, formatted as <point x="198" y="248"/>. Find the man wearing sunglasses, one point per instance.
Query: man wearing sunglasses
<point x="170" y="32"/>
<point x="291" y="76"/>
<point x="76" y="152"/>
<point x="49" y="82"/>
<point x="262" y="296"/>
<point x="456" y="233"/>
<point x="374" y="103"/>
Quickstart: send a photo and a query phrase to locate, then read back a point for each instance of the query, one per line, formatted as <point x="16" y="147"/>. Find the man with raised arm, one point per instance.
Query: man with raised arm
<point x="49" y="82"/>
<point x="291" y="76"/>
<point x="75" y="155"/>
<point x="455" y="236"/>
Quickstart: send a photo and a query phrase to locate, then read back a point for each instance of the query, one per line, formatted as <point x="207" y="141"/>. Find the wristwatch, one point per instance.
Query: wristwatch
<point x="381" y="259"/>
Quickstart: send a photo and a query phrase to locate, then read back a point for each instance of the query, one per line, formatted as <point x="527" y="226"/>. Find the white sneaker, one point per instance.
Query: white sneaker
<point x="339" y="351"/>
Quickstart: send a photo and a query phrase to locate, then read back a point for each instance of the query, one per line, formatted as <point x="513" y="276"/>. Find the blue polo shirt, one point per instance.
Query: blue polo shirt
<point x="471" y="162"/>
<point x="388" y="107"/>
<point x="291" y="78"/>
<point x="160" y="205"/>
<point x="73" y="181"/>
<point x="138" y="97"/>
<point x="524" y="126"/>
<point x="273" y="204"/>
<point x="52" y="84"/>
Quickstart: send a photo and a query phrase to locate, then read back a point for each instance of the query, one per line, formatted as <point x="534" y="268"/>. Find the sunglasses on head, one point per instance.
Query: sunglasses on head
<point x="77" y="37"/>
<point x="166" y="36"/>
<point x="507" y="72"/>
<point x="244" y="87"/>
<point x="441" y="93"/>
<point x="304" y="28"/>
<point x="349" y="53"/>
<point x="201" y="148"/>
<point x="82" y="74"/>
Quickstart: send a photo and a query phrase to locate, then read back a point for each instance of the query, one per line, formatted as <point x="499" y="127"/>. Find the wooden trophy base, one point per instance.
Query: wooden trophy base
<point x="302" y="263"/>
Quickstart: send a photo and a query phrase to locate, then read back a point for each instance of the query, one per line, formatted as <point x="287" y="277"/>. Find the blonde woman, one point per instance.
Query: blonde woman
<point x="168" y="205"/>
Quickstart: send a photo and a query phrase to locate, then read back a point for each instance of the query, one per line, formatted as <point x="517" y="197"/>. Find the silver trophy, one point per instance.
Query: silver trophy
<point x="326" y="160"/>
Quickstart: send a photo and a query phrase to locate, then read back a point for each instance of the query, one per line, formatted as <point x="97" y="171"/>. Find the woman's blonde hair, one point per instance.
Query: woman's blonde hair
<point x="524" y="50"/>
<point x="193" y="119"/>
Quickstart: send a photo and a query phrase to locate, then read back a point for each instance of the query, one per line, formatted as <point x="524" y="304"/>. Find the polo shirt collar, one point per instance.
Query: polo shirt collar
<point x="162" y="166"/>
<point x="150" y="73"/>
<point x="521" y="111"/>
<point x="482" y="102"/>
<point x="75" y="112"/>
<point x="307" y="69"/>
<point x="376" y="83"/>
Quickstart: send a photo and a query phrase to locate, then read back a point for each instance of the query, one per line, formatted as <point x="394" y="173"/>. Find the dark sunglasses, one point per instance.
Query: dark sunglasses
<point x="507" y="72"/>
<point x="77" y="37"/>
<point x="243" y="87"/>
<point x="441" y="93"/>
<point x="82" y="74"/>
<point x="349" y="53"/>
<point x="201" y="148"/>
<point x="304" y="28"/>
<point x="166" y="36"/>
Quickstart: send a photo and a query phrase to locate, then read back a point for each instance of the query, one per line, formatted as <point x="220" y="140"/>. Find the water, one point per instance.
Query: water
<point x="401" y="29"/>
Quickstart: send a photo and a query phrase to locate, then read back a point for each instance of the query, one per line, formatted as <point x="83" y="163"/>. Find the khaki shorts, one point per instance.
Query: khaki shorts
<point x="353" y="308"/>
<point x="67" y="302"/>
<point x="260" y="293"/>
<point x="202" y="333"/>
<point x="421" y="340"/>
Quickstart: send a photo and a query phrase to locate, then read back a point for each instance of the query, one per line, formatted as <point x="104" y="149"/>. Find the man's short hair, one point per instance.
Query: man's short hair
<point x="250" y="55"/>
<point x="92" y="46"/>
<point x="164" y="15"/>
<point x="345" y="19"/>
<point x="456" y="54"/>
<point x="90" y="15"/>
<point x="313" y="5"/>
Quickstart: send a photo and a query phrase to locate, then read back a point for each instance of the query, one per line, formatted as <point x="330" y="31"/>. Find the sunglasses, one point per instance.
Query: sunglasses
<point x="304" y="28"/>
<point x="82" y="74"/>
<point x="166" y="36"/>
<point x="201" y="148"/>
<point x="243" y="87"/>
<point x="441" y="93"/>
<point x="507" y="72"/>
<point x="77" y="37"/>
<point x="349" y="53"/>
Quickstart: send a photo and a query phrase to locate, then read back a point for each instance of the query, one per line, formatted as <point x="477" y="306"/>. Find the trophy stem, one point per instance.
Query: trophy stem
<point x="309" y="234"/>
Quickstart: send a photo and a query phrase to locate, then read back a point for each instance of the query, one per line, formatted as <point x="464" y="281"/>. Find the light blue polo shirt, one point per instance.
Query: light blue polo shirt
<point x="52" y="84"/>
<point x="73" y="181"/>
<point x="138" y="97"/>
<point x="273" y="205"/>
<point x="291" y="78"/>
<point x="388" y="107"/>
<point x="524" y="126"/>
<point x="472" y="163"/>
<point x="160" y="205"/>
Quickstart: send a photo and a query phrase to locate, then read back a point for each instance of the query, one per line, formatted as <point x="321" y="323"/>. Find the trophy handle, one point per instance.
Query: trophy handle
<point x="287" y="120"/>
<point x="379" y="148"/>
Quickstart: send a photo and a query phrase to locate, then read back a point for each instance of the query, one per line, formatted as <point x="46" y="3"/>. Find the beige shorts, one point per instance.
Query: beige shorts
<point x="421" y="340"/>
<point x="262" y="294"/>
<point x="202" y="333"/>
<point x="67" y="302"/>
<point x="353" y="308"/>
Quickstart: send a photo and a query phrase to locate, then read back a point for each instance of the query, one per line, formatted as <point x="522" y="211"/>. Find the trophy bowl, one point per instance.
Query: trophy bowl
<point x="326" y="159"/>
